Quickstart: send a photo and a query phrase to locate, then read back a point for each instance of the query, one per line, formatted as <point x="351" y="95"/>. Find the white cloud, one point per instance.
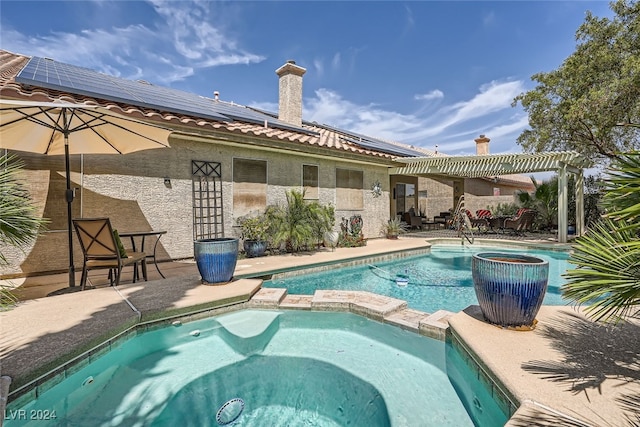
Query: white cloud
<point x="489" y="19"/>
<point x="434" y="94"/>
<point x="319" y="67"/>
<point x="183" y="32"/>
<point x="519" y="123"/>
<point x="493" y="96"/>
<point x="335" y="62"/>
<point x="410" y="21"/>
<point x="452" y="127"/>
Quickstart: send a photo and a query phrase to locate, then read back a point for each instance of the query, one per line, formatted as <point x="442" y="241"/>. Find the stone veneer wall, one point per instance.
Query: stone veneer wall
<point x="130" y="190"/>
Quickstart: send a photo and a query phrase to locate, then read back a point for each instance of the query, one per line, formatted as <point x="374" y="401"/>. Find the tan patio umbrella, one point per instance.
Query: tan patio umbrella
<point x="65" y="128"/>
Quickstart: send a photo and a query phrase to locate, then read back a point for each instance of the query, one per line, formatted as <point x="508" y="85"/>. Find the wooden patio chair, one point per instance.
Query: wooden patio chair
<point x="102" y="249"/>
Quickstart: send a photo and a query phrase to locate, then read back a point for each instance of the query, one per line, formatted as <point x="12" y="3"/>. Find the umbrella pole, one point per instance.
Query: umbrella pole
<point x="69" y="197"/>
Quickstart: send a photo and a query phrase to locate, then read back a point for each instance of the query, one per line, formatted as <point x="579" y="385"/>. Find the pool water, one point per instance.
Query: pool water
<point x="440" y="280"/>
<point x="290" y="368"/>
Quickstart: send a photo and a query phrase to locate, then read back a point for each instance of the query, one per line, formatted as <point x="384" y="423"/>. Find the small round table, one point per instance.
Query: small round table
<point x="143" y="234"/>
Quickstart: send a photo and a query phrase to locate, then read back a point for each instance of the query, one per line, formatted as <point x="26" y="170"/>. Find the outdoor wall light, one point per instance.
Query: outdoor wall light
<point x="167" y="181"/>
<point x="376" y="189"/>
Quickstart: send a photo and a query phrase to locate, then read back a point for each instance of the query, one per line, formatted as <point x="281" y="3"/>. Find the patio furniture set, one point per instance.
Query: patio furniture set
<point x="484" y="220"/>
<point x="102" y="248"/>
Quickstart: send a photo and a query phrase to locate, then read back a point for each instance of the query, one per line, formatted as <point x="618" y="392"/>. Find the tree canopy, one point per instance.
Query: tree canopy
<point x="591" y="103"/>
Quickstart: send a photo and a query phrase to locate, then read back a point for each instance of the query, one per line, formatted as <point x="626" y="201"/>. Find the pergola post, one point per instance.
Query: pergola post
<point x="580" y="229"/>
<point x="562" y="203"/>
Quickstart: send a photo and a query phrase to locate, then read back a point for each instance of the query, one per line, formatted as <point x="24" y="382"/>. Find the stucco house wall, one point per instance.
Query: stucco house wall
<point x="130" y="190"/>
<point x="480" y="194"/>
<point x="435" y="195"/>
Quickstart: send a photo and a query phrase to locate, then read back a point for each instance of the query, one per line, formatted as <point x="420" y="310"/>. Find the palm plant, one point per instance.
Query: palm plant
<point x="544" y="200"/>
<point x="393" y="227"/>
<point x="291" y="224"/>
<point x="608" y="255"/>
<point x="19" y="222"/>
<point x="322" y="219"/>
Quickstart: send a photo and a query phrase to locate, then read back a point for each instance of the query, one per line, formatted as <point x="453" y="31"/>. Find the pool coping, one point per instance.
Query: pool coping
<point x="343" y="262"/>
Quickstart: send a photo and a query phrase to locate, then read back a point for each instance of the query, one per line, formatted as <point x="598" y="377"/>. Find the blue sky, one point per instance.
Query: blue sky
<point x="424" y="73"/>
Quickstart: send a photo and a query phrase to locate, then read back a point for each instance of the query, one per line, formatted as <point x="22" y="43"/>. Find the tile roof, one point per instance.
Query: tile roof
<point x="315" y="136"/>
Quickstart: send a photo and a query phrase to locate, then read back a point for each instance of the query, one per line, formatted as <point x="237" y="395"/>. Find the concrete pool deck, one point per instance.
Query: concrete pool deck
<point x="567" y="365"/>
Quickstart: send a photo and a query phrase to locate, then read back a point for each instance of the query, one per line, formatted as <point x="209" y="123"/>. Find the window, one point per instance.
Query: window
<point x="349" y="186"/>
<point x="405" y="197"/>
<point x="249" y="186"/>
<point x="310" y="181"/>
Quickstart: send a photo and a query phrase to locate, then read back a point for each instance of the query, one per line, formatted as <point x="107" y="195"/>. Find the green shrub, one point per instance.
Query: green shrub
<point x="300" y="224"/>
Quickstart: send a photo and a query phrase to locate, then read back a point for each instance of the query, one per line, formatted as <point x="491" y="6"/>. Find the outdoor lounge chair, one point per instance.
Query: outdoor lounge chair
<point x="523" y="221"/>
<point x="412" y="220"/>
<point x="484" y="213"/>
<point x="102" y="250"/>
<point x="480" y="223"/>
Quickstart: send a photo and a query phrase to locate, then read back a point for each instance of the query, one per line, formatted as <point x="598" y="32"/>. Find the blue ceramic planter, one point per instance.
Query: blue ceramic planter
<point x="510" y="287"/>
<point x="216" y="258"/>
<point x="254" y="248"/>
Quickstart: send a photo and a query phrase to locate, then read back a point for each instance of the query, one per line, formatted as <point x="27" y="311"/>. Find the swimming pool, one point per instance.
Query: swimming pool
<point x="440" y="280"/>
<point x="289" y="368"/>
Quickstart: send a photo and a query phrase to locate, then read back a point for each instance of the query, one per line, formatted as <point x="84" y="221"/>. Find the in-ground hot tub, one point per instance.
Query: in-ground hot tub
<point x="260" y="367"/>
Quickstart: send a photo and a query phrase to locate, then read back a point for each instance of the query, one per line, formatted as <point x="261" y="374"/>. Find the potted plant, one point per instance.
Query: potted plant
<point x="216" y="258"/>
<point x="392" y="228"/>
<point x="254" y="235"/>
<point x="510" y="287"/>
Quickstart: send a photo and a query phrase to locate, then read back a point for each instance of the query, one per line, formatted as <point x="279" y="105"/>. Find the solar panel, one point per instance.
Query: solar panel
<point x="83" y="81"/>
<point x="375" y="144"/>
<point x="252" y="115"/>
<point x="55" y="75"/>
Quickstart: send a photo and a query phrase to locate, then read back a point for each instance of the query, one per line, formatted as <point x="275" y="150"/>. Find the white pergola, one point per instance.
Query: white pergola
<point x="490" y="165"/>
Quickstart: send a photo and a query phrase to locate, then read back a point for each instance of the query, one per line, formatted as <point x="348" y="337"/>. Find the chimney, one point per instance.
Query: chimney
<point x="290" y="93"/>
<point x="482" y="146"/>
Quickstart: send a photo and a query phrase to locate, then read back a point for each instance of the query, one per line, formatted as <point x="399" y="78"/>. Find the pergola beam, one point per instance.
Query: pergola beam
<point x="489" y="165"/>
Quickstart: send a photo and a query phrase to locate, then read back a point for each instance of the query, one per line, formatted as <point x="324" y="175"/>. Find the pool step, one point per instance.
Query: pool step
<point x="367" y="304"/>
<point x="249" y="331"/>
<point x="378" y="307"/>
